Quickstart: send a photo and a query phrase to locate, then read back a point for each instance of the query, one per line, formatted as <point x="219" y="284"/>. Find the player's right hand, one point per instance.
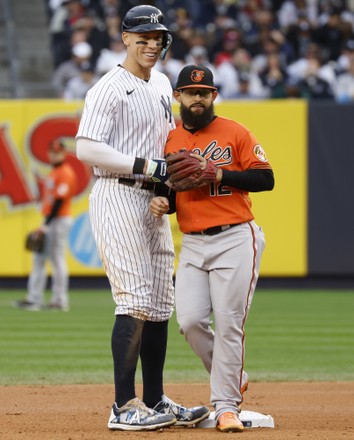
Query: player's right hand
<point x="159" y="206"/>
<point x="157" y="170"/>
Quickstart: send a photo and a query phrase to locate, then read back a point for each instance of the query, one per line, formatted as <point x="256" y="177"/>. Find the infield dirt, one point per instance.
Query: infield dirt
<point x="304" y="410"/>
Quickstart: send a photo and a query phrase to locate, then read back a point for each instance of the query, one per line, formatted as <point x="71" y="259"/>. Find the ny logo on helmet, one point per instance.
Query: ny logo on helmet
<point x="154" y="18"/>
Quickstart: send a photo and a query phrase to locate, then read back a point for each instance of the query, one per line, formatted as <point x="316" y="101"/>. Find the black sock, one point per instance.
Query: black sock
<point x="126" y="341"/>
<point x="152" y="355"/>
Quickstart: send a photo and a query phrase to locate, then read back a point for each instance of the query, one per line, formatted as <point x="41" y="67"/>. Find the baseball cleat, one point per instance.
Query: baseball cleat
<point x="24" y="304"/>
<point x="185" y="416"/>
<point x="136" y="416"/>
<point x="229" y="422"/>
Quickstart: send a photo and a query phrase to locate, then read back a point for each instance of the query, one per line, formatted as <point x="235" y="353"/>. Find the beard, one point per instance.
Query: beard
<point x="197" y="121"/>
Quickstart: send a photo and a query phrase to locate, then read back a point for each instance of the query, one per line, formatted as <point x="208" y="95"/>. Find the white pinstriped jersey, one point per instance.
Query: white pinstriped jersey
<point x="135" y="248"/>
<point x="129" y="114"/>
<point x="134" y="117"/>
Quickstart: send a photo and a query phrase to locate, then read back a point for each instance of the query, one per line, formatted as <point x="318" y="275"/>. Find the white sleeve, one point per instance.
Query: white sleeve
<point x="101" y="155"/>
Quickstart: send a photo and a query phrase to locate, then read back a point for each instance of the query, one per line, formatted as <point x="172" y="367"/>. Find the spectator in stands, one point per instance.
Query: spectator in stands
<point x="51" y="7"/>
<point x="301" y="67"/>
<point x="343" y="61"/>
<point x="77" y="36"/>
<point x="78" y="86"/>
<point x="344" y="87"/>
<point x="81" y="53"/>
<point x="271" y="44"/>
<point x="325" y="9"/>
<point x="246" y="21"/>
<point x="203" y="13"/>
<point x="224" y="33"/>
<point x="198" y="55"/>
<point x="170" y="67"/>
<point x="111" y="57"/>
<point x="111" y="8"/>
<point x="313" y="85"/>
<point x="61" y="26"/>
<point x="274" y="77"/>
<point x="229" y="74"/>
<point x="295" y="29"/>
<point x="299" y="36"/>
<point x="182" y="30"/>
<point x="113" y="25"/>
<point x="290" y="11"/>
<point x="225" y="8"/>
<point x="244" y="91"/>
<point x="96" y="31"/>
<point x="226" y="46"/>
<point x="99" y="6"/>
<point x="330" y="36"/>
<point x="262" y="23"/>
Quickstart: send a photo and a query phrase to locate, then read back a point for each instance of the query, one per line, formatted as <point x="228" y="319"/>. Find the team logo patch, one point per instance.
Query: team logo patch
<point x="260" y="153"/>
<point x="154" y="18"/>
<point x="197" y="75"/>
<point x="63" y="189"/>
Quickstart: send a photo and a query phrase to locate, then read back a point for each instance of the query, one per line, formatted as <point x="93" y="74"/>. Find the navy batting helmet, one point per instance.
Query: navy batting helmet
<point x="146" y="18"/>
<point x="143" y="18"/>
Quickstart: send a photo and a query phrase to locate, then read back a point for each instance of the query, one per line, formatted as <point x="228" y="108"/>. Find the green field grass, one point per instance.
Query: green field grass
<point x="291" y="335"/>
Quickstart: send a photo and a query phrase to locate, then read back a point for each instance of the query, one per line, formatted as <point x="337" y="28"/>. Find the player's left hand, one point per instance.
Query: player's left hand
<point x="35" y="241"/>
<point x="159" y="206"/>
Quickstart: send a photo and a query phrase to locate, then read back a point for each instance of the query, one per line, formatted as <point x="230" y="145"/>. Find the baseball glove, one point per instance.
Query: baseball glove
<point x="35" y="241"/>
<point x="185" y="172"/>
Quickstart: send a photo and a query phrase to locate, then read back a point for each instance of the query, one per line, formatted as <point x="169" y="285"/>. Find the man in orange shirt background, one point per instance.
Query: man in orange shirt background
<point x="59" y="188"/>
<point x="221" y="245"/>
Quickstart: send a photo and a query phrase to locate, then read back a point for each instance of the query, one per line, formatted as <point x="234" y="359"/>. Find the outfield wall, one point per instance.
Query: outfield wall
<point x="307" y="218"/>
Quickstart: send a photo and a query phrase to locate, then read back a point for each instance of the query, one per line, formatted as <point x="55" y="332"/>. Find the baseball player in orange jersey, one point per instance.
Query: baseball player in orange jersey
<point x="59" y="188"/>
<point x="123" y="131"/>
<point x="221" y="245"/>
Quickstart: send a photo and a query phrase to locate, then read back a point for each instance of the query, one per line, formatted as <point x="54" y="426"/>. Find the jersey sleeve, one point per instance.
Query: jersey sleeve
<point x="251" y="154"/>
<point x="97" y="119"/>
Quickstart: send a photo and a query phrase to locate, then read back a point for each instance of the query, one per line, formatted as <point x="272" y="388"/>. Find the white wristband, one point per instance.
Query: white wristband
<point x="151" y="168"/>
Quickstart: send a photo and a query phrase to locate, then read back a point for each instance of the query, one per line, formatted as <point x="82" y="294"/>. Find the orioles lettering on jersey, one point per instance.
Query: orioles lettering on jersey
<point x="230" y="146"/>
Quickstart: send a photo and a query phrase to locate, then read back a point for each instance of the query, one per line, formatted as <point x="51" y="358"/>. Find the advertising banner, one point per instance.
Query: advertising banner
<point x="26" y="128"/>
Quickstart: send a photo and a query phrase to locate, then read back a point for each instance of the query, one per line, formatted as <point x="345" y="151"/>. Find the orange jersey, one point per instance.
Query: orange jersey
<point x="230" y="146"/>
<point x="60" y="184"/>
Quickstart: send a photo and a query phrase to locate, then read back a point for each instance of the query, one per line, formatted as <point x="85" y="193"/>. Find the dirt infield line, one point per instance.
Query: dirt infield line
<point x="304" y="410"/>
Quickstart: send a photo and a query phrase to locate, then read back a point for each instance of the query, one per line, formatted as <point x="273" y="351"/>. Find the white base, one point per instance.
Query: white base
<point x="250" y="419"/>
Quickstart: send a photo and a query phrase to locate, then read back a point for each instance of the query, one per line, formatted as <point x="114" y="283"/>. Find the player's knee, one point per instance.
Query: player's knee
<point x="190" y="324"/>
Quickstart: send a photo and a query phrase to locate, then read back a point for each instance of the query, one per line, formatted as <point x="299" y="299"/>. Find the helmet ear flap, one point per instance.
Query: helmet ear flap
<point x="166" y="43"/>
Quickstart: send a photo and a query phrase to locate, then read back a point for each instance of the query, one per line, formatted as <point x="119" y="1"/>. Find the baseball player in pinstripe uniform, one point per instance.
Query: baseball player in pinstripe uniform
<point x="124" y="126"/>
<point x="222" y="245"/>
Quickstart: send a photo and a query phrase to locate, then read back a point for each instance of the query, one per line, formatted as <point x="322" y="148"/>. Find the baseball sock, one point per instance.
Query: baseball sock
<point x="152" y="356"/>
<point x="126" y="340"/>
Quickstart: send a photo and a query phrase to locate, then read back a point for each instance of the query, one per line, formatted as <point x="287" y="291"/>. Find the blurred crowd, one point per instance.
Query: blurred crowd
<point x="257" y="49"/>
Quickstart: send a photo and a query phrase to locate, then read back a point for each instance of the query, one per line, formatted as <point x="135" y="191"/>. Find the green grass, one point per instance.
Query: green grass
<point x="290" y="335"/>
<point x="301" y="335"/>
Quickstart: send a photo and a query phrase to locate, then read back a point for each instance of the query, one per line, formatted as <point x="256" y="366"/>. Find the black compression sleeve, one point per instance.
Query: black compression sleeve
<point x="138" y="167"/>
<point x="253" y="180"/>
<point x="172" y="201"/>
<point x="164" y="191"/>
<point x="53" y="213"/>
